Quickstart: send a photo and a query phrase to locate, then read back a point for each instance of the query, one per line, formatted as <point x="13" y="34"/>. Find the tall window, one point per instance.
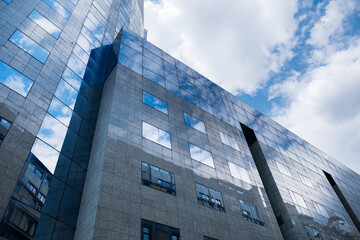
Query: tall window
<point x="155" y="102"/>
<point x="152" y="231"/>
<point x="194" y="123"/>
<point x="158" y="178"/>
<point x="4" y="128"/>
<point x="209" y="197"/>
<point x="156" y="135"/>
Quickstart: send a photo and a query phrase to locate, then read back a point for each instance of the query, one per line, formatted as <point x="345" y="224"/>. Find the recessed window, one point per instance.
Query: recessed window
<point x="239" y="172"/>
<point x="4" y="128"/>
<point x="14" y="80"/>
<point x="201" y="155"/>
<point x="152" y="230"/>
<point x="156" y="135"/>
<point x="29" y="46"/>
<point x="209" y="197"/>
<point x="155" y="102"/>
<point x="58" y="8"/>
<point x="283" y="169"/>
<point x="321" y="209"/>
<point x="230" y="141"/>
<point x="45" y="23"/>
<point x="158" y="178"/>
<point x="305" y="180"/>
<point x="325" y="190"/>
<point x="250" y="212"/>
<point x="297" y="199"/>
<point x="194" y="123"/>
<point x="313" y="233"/>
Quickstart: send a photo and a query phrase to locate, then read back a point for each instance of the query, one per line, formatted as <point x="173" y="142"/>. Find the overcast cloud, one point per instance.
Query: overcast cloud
<point x="302" y="59"/>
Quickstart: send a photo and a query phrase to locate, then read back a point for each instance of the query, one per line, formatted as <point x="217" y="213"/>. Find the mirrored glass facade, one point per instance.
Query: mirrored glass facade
<point x="96" y="122"/>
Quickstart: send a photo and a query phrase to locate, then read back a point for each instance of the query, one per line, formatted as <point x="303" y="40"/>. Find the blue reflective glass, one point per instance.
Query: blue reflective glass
<point x="127" y="62"/>
<point x="155" y="102"/>
<point x="95" y="27"/>
<point x="195" y="123"/>
<point x="14" y="80"/>
<point x="170" y="76"/>
<point x="71" y="78"/>
<point x="131" y="44"/>
<point x="201" y="155"/>
<point x="7" y="1"/>
<point x="131" y="53"/>
<point x="66" y="94"/>
<point x="4" y="128"/>
<point x="172" y="87"/>
<point x="60" y="111"/>
<point x="46" y="154"/>
<point x="156" y="135"/>
<point x="154" y="67"/>
<point x="45" y="23"/>
<point x="57" y="7"/>
<point x="153" y="77"/>
<point x="76" y="65"/>
<point x="189" y="97"/>
<point x="29" y="45"/>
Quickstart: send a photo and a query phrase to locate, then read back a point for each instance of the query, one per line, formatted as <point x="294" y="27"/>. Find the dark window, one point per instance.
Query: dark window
<point x="209" y="197"/>
<point x="156" y="231"/>
<point x="250" y="212"/>
<point x="209" y="238"/>
<point x="313" y="233"/>
<point x="4" y="128"/>
<point x="158" y="178"/>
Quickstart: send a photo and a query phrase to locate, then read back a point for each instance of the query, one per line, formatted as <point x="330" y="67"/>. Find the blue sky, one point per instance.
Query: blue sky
<point x="295" y="60"/>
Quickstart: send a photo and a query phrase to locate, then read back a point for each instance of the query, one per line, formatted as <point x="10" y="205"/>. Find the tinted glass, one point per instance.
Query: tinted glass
<point x="57" y="7"/>
<point x="4" y="128"/>
<point x="156" y="135"/>
<point x="195" y="123"/>
<point x="29" y="46"/>
<point x="239" y="172"/>
<point x="155" y="102"/>
<point x="45" y="23"/>
<point x="201" y="155"/>
<point x="14" y="80"/>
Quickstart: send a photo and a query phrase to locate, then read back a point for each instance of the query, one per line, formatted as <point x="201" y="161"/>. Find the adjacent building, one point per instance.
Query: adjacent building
<point x="105" y="136"/>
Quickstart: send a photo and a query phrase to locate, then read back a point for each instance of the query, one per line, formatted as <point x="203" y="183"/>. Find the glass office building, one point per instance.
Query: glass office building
<point x="105" y="136"/>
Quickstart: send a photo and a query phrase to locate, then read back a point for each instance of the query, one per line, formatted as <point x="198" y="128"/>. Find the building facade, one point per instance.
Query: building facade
<point x="105" y="136"/>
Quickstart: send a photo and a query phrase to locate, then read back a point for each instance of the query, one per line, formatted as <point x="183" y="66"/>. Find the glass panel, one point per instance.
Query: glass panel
<point x="60" y="111"/>
<point x="57" y="7"/>
<point x="14" y="80"/>
<point x="66" y="94"/>
<point x="297" y="199"/>
<point x="45" y="23"/>
<point x="76" y="65"/>
<point x="232" y="142"/>
<point x="284" y="169"/>
<point x="201" y="155"/>
<point x="156" y="135"/>
<point x="155" y="102"/>
<point x="239" y="172"/>
<point x="342" y="219"/>
<point x="4" y="128"/>
<point x="209" y="197"/>
<point x="195" y="123"/>
<point x="46" y="154"/>
<point x="7" y="1"/>
<point x="29" y="46"/>
<point x="325" y="190"/>
<point x="52" y="132"/>
<point x="306" y="180"/>
<point x="321" y="210"/>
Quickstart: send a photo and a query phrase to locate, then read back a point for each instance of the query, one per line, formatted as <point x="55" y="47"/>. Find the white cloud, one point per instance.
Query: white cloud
<point x="236" y="44"/>
<point x="324" y="103"/>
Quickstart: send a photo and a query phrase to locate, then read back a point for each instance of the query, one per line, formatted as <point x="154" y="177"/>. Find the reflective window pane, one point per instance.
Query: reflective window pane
<point x="342" y="219"/>
<point x="45" y="23"/>
<point x="195" y="123"/>
<point x="250" y="212"/>
<point x="57" y="7"/>
<point x="158" y="178"/>
<point x="46" y="154"/>
<point x="52" y="132"/>
<point x="7" y="1"/>
<point x="155" y="102"/>
<point x="66" y="94"/>
<point x="4" y="128"/>
<point x="239" y="172"/>
<point x="305" y="180"/>
<point x="156" y="135"/>
<point x="321" y="209"/>
<point x="284" y="169"/>
<point x="59" y="110"/>
<point x="14" y="80"/>
<point x="209" y="197"/>
<point x="297" y="199"/>
<point x="201" y="155"/>
<point x="230" y="141"/>
<point x="325" y="190"/>
<point x="29" y="46"/>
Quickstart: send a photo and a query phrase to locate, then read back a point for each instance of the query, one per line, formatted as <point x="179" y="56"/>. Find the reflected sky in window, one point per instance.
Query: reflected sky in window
<point x="76" y="65"/>
<point x="156" y="135"/>
<point x="45" y="23"/>
<point x="71" y="78"/>
<point x="52" y="132"/>
<point x="60" y="111"/>
<point x="239" y="172"/>
<point x="66" y="93"/>
<point x="321" y="210"/>
<point x="14" y="80"/>
<point x="297" y="199"/>
<point x="155" y="102"/>
<point x="283" y="169"/>
<point x="57" y="7"/>
<point x="226" y="139"/>
<point x="195" y="123"/>
<point x="46" y="154"/>
<point x="201" y="155"/>
<point x="29" y="46"/>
